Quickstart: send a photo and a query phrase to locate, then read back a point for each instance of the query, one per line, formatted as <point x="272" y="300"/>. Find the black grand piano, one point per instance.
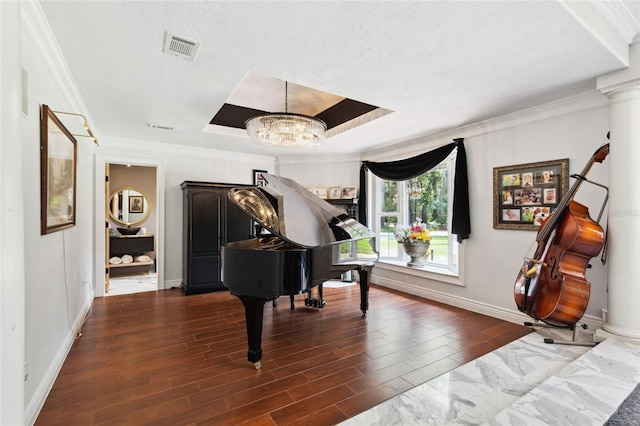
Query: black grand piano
<point x="303" y="242"/>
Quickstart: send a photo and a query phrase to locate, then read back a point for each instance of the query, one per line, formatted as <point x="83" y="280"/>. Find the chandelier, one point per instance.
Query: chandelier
<point x="415" y="189"/>
<point x="286" y="130"/>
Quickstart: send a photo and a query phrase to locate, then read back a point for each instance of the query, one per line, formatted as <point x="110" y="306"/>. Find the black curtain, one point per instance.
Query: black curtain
<point x="415" y="166"/>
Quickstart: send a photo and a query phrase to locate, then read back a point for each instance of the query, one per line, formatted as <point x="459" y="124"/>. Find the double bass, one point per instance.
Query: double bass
<point x="551" y="286"/>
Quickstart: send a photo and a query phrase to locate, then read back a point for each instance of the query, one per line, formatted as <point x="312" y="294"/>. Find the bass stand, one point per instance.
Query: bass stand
<point x="575" y="328"/>
<point x="574" y="340"/>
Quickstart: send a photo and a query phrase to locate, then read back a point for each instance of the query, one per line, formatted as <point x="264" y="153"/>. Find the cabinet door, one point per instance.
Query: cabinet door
<point x="205" y="223"/>
<point x="204" y="246"/>
<point x="205" y="274"/>
<point x="238" y="224"/>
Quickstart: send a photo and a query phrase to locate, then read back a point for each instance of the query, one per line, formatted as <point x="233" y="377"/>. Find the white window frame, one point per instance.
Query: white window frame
<point x="450" y="273"/>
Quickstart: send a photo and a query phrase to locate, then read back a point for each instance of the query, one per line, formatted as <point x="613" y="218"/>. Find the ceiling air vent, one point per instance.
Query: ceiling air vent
<point x="161" y="127"/>
<point x="180" y="47"/>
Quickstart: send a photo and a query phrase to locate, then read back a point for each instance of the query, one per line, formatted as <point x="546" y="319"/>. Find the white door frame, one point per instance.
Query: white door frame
<point x="100" y="213"/>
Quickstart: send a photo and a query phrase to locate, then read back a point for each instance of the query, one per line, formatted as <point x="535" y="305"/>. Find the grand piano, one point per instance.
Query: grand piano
<point x="302" y="241"/>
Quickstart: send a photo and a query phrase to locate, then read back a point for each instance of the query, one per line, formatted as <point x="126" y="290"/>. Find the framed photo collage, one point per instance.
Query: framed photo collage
<point x="526" y="194"/>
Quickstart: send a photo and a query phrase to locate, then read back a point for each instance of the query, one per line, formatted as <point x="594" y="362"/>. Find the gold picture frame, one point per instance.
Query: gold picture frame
<point x="335" y="192"/>
<point x="349" y="192"/>
<point x="58" y="158"/>
<point x="526" y="194"/>
<point x="320" y="192"/>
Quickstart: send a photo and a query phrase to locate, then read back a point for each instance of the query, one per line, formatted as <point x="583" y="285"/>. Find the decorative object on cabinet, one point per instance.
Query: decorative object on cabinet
<point x="257" y="177"/>
<point x="524" y="195"/>
<point x="210" y="220"/>
<point x="58" y="154"/>
<point x="335" y="192"/>
<point x="349" y="192"/>
<point x="350" y="206"/>
<point x="320" y="192"/>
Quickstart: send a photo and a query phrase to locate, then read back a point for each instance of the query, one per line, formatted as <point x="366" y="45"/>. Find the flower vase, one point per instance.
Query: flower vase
<point x="416" y="251"/>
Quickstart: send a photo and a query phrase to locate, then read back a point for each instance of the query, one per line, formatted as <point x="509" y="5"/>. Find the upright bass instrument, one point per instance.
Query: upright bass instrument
<point x="551" y="286"/>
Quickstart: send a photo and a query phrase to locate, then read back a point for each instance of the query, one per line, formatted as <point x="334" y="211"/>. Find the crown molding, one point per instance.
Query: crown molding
<point x="147" y="148"/>
<point x="587" y="101"/>
<point x="620" y="18"/>
<point x="318" y="159"/>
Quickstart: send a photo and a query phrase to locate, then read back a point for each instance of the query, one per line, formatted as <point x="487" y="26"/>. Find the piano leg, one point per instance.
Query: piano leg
<point x="254" y="308"/>
<point x="318" y="302"/>
<point x="364" y="289"/>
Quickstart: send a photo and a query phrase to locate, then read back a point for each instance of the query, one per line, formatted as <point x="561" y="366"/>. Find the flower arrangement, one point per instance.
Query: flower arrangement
<point x="413" y="235"/>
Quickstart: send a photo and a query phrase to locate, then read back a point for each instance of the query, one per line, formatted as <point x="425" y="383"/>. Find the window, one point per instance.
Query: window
<point x="425" y="200"/>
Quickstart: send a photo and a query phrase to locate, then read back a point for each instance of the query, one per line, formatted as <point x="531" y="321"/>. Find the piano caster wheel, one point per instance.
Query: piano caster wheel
<point x="257" y="365"/>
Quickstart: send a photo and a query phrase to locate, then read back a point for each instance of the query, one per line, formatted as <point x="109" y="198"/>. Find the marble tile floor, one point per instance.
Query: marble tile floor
<point x="526" y="382"/>
<point x="133" y="284"/>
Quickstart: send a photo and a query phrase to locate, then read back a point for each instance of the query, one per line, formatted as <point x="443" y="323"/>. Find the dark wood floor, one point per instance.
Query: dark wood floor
<point x="163" y="358"/>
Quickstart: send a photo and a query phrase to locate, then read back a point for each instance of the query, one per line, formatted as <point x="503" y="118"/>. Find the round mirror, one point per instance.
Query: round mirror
<point x="128" y="206"/>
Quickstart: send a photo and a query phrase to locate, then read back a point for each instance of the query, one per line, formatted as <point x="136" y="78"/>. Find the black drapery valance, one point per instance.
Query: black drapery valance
<point x="415" y="166"/>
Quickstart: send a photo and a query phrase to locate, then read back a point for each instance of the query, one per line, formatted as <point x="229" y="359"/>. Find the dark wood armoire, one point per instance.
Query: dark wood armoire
<point x="210" y="220"/>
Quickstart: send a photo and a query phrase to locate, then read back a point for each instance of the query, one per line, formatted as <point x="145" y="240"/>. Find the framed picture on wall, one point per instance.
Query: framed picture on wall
<point x="349" y="192"/>
<point x="258" y="180"/>
<point x="335" y="192"/>
<point x="58" y="157"/>
<point x="524" y="195"/>
<point x="320" y="192"/>
<point x="136" y="204"/>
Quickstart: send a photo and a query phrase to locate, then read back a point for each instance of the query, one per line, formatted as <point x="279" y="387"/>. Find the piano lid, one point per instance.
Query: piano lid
<point x="290" y="211"/>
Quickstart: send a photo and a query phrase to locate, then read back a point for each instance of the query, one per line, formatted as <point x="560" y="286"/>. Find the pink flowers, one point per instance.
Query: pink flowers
<point x="415" y="234"/>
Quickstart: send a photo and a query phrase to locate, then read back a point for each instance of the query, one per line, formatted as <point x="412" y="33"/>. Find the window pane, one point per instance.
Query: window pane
<point x="390" y="202"/>
<point x="387" y="238"/>
<point x="429" y="199"/>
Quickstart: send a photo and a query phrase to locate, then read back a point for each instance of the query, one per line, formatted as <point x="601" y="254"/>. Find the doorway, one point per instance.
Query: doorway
<point x="129" y="226"/>
<point x="132" y="229"/>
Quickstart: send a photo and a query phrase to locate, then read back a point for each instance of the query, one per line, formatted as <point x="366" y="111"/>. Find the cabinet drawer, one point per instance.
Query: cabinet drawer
<point x="132" y="245"/>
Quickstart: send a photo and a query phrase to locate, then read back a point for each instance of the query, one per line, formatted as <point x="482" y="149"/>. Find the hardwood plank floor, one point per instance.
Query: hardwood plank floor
<point x="162" y="358"/>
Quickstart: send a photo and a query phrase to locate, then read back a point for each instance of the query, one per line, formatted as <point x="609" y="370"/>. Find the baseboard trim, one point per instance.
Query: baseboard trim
<point x="171" y="284"/>
<point x="592" y="323"/>
<point x="42" y="392"/>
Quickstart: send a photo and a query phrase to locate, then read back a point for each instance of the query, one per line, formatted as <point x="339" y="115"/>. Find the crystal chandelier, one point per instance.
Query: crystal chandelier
<point x="285" y="130"/>
<point x="415" y="189"/>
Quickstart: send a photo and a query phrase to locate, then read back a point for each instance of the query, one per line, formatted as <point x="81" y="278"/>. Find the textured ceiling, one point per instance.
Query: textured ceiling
<point x="436" y="65"/>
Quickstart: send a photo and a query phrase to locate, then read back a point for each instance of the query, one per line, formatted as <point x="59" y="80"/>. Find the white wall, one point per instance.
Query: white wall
<point x="313" y="171"/>
<point x="12" y="280"/>
<point x="58" y="266"/>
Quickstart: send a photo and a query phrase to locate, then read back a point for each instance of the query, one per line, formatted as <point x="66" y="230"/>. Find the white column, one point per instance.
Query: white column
<point x="623" y="89"/>
<point x="12" y="285"/>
